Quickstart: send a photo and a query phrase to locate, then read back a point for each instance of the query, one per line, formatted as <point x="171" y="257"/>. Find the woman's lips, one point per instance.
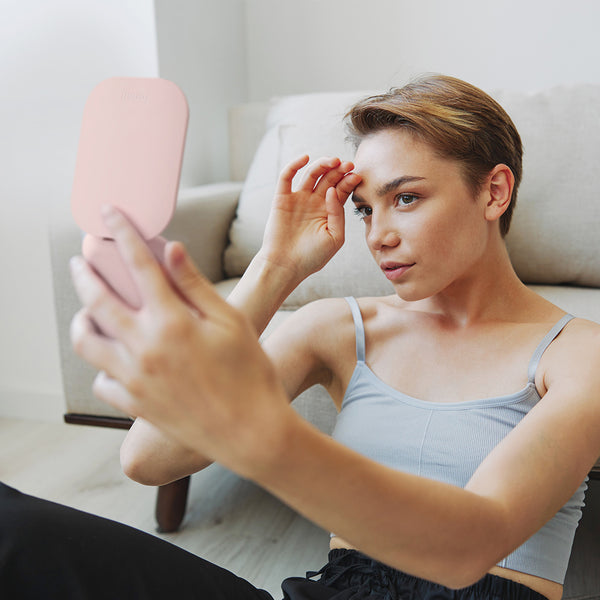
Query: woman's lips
<point x="394" y="271"/>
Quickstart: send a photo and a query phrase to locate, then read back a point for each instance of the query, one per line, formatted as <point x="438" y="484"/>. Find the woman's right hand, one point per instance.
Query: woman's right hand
<point x="306" y="226"/>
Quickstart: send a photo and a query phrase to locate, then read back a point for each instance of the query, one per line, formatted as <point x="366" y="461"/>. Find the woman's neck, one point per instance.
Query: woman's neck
<point x="491" y="291"/>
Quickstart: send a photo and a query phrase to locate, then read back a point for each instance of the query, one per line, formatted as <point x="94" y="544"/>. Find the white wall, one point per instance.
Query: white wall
<point x="51" y="55"/>
<point x="201" y="47"/>
<point x="221" y="52"/>
<point x="323" y="45"/>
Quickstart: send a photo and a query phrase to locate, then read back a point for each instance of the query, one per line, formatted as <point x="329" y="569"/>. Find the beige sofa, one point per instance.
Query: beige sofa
<point x="554" y="241"/>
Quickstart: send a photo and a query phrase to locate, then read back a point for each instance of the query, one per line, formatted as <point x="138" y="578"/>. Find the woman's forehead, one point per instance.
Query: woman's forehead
<point x="397" y="153"/>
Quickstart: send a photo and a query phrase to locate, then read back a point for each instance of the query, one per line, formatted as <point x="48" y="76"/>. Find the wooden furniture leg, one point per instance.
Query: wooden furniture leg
<point x="170" y="505"/>
<point x="171" y="499"/>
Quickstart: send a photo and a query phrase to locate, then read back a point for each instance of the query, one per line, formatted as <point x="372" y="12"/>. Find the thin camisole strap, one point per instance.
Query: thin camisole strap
<point x="548" y="339"/>
<point x="359" y="328"/>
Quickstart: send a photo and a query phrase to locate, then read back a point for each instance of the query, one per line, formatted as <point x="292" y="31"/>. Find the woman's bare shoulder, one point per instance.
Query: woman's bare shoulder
<point x="314" y="322"/>
<point x="324" y="312"/>
<point x="387" y="312"/>
<point x="580" y="332"/>
<point x="575" y="354"/>
<point x="327" y="324"/>
<point x="313" y="345"/>
<point x="373" y="304"/>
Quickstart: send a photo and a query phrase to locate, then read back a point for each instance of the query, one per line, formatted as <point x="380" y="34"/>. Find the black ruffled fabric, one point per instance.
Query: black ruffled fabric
<point x="350" y="575"/>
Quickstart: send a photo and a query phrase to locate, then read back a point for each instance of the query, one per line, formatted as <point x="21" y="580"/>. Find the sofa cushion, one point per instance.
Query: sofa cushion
<point x="552" y="239"/>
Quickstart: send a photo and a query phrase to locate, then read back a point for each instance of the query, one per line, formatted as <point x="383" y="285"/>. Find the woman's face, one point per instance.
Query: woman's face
<point x="424" y="228"/>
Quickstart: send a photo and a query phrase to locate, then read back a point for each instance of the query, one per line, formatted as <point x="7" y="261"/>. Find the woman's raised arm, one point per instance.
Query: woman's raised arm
<point x="304" y="230"/>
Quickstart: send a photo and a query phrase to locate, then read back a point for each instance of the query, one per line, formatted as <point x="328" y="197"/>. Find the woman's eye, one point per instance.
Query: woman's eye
<point x="406" y="199"/>
<point x="363" y="211"/>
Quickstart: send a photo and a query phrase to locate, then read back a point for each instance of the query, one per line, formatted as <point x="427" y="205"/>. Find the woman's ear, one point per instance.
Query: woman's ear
<point x="500" y="184"/>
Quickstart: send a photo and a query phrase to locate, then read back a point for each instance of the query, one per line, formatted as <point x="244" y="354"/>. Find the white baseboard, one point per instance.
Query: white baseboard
<point x="30" y="404"/>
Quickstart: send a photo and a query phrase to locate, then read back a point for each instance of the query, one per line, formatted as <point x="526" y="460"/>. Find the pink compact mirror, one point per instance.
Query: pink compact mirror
<point x="129" y="155"/>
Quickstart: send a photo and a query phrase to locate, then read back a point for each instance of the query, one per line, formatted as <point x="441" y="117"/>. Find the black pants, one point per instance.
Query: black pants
<point x="51" y="552"/>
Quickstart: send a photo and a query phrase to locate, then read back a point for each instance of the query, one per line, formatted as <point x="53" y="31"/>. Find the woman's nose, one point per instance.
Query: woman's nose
<point x="381" y="233"/>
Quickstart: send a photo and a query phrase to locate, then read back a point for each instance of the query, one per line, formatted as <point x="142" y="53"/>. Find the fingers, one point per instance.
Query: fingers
<point x="140" y="261"/>
<point x="109" y="390"/>
<point x="98" y="350"/>
<point x="192" y="285"/>
<point x="318" y="171"/>
<point x="109" y="313"/>
<point x="284" y="183"/>
<point x="335" y="216"/>
<point x="347" y="185"/>
<point x="335" y="178"/>
<point x="320" y="176"/>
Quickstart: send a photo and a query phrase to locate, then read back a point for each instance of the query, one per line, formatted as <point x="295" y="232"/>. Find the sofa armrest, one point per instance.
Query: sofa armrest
<point x="201" y="221"/>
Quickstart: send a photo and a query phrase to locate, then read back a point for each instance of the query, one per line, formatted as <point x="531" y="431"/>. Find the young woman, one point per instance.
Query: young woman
<point x="468" y="404"/>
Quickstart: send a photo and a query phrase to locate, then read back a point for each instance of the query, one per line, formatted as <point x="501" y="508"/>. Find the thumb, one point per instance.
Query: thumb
<point x="335" y="216"/>
<point x="188" y="281"/>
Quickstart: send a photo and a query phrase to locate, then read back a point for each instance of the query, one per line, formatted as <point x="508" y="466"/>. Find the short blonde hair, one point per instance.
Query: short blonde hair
<point x="457" y="119"/>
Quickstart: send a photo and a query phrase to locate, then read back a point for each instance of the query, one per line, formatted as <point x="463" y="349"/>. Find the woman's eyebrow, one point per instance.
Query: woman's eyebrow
<point x="390" y="186"/>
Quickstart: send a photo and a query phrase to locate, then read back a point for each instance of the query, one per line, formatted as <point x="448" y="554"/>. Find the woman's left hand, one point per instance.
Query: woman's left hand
<point x="306" y="226"/>
<point x="185" y="360"/>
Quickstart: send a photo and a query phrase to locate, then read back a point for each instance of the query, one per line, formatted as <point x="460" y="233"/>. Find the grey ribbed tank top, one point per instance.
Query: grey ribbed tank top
<point x="448" y="441"/>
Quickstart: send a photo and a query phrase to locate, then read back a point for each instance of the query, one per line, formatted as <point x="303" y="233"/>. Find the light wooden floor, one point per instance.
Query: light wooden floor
<point x="229" y="521"/>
